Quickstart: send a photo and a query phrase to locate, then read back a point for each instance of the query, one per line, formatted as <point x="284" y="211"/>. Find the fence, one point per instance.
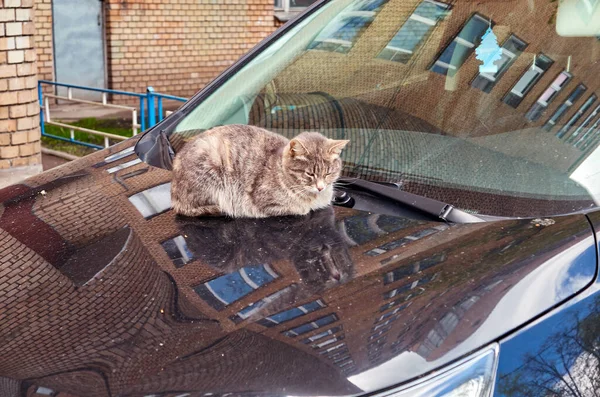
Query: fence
<point x="149" y="112"/>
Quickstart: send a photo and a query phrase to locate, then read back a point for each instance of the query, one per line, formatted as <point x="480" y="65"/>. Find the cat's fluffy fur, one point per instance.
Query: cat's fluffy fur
<point x="247" y="172"/>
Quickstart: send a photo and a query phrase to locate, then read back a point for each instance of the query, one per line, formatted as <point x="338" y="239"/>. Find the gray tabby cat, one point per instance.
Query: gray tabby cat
<point x="248" y="172"/>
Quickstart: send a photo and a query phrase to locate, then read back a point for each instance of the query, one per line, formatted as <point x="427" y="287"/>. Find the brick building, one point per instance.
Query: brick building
<point x="19" y="109"/>
<point x="176" y="46"/>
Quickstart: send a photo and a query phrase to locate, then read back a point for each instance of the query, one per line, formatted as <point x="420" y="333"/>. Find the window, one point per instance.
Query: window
<point x="345" y="363"/>
<point x="392" y="245"/>
<point x="378" y="343"/>
<point x="589" y="137"/>
<point x="343" y="31"/>
<point x="385" y="323"/>
<point x="467" y="303"/>
<point x="292" y="5"/>
<point x="586" y="122"/>
<point x="291" y="314"/>
<point x="511" y="49"/>
<point x="153" y="201"/>
<point x="178" y="251"/>
<point x="414" y="31"/>
<point x="404" y="271"/>
<point x="457" y="52"/>
<point x="564" y="131"/>
<point x="327" y="342"/>
<point x="335" y="351"/>
<point x="342" y="358"/>
<point x="399" y="290"/>
<point x="316" y="337"/>
<point x="548" y="96"/>
<point x="389" y="314"/>
<point x="256" y="306"/>
<point x="532" y="75"/>
<point x="592" y="139"/>
<point x="565" y="106"/>
<point x="434" y="338"/>
<point x="307" y="327"/>
<point x="375" y="348"/>
<point x="392" y="304"/>
<point x="232" y="287"/>
<point x="449" y="322"/>
<point x="379" y="333"/>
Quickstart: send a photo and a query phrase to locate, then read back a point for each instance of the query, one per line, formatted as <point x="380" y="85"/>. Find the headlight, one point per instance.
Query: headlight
<point x="471" y="377"/>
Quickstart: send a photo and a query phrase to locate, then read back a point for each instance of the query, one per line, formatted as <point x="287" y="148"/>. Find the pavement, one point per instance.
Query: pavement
<point x="49" y="161"/>
<point x="77" y="111"/>
<point x="68" y="111"/>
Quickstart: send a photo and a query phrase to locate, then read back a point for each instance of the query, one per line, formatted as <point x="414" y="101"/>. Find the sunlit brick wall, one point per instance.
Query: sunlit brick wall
<point x="19" y="110"/>
<point x="178" y="46"/>
<point x="43" y="40"/>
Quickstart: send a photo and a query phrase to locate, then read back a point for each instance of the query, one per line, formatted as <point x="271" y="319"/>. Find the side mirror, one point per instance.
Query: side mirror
<point x="578" y="18"/>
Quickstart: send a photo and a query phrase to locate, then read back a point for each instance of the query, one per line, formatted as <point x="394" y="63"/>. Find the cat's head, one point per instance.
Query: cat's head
<point x="312" y="161"/>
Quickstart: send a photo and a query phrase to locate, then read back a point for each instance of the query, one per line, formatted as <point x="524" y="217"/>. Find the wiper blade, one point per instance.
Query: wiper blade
<point x="434" y="208"/>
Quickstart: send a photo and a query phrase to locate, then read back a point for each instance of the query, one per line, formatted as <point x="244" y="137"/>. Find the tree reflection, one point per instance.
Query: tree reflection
<point x="566" y="365"/>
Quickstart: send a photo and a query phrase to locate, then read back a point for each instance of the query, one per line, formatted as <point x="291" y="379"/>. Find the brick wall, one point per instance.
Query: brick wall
<point x="176" y="46"/>
<point x="43" y="40"/>
<point x="19" y="111"/>
<point x="179" y="46"/>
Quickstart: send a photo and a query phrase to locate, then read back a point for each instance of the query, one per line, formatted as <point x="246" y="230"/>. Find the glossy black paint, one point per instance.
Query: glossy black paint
<point x="105" y="292"/>
<point x="557" y="355"/>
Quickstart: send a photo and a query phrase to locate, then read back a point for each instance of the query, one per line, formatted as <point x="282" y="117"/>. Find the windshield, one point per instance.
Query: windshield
<point x="482" y="105"/>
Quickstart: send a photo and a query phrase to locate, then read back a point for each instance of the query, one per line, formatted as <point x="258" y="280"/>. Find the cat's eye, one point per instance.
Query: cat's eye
<point x="309" y="174"/>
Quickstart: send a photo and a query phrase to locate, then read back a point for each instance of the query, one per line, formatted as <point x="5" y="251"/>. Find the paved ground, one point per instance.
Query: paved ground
<point x="77" y="111"/>
<point x="49" y="161"/>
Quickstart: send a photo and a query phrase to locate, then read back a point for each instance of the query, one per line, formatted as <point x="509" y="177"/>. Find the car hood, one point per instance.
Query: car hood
<point x="104" y="291"/>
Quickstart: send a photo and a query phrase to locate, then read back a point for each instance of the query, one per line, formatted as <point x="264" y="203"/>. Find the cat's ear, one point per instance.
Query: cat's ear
<point x="335" y="147"/>
<point x="297" y="148"/>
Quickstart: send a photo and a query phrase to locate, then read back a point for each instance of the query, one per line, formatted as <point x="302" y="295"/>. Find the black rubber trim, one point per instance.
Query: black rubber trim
<point x="437" y="209"/>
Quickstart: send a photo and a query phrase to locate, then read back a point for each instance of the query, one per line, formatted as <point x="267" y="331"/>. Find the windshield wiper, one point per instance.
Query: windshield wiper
<point x="433" y="208"/>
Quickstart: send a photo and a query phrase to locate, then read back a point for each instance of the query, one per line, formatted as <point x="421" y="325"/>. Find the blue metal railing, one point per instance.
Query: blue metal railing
<point x="151" y="109"/>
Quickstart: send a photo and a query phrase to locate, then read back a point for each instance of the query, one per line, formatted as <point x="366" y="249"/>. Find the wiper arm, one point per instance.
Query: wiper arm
<point x="434" y="208"/>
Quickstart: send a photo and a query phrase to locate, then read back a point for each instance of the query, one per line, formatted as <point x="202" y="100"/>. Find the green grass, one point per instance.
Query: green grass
<point x="112" y="126"/>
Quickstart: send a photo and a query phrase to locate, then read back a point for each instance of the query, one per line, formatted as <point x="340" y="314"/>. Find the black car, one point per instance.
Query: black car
<point x="460" y="257"/>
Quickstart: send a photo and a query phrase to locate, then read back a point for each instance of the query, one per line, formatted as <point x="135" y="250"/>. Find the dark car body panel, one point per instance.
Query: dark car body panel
<point x="105" y="292"/>
<point x="557" y="354"/>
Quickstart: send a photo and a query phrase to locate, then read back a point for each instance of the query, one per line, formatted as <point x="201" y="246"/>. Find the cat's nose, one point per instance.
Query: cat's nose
<point x="320" y="186"/>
